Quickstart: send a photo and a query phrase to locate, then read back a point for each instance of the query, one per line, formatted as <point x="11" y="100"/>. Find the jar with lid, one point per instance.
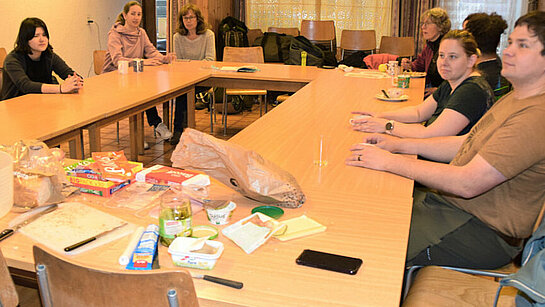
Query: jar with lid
<point x="175" y="216"/>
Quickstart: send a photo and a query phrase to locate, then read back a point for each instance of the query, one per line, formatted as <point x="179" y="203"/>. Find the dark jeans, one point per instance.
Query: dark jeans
<point x="180" y="110"/>
<point x="153" y="117"/>
<point x="442" y="234"/>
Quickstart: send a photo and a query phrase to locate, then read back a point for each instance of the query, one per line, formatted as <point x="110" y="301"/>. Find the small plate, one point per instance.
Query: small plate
<point x="200" y="231"/>
<point x="416" y="74"/>
<point x="398" y="99"/>
<point x="271" y="211"/>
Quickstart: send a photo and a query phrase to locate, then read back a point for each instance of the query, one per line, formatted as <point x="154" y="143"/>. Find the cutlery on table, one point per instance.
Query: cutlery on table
<point x="27" y="218"/>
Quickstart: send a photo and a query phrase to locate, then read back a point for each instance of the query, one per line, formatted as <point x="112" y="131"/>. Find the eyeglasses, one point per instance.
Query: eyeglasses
<point x="188" y="18"/>
<point x="426" y="24"/>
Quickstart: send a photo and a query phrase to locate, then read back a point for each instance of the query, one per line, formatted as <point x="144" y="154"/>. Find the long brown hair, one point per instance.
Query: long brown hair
<point x="126" y="10"/>
<point x="202" y="26"/>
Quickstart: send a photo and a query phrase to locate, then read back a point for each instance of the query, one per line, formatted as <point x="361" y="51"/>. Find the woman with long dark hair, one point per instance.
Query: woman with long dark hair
<point x="29" y="67"/>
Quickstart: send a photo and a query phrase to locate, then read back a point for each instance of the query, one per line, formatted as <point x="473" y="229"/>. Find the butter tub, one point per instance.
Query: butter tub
<point x="181" y="256"/>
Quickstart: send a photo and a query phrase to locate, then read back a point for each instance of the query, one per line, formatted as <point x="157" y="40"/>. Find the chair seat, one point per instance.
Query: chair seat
<point x="231" y="92"/>
<point x="435" y="286"/>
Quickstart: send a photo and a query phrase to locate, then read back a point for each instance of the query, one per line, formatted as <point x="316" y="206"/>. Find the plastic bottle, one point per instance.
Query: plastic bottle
<point x="303" y="58"/>
<point x="175" y="217"/>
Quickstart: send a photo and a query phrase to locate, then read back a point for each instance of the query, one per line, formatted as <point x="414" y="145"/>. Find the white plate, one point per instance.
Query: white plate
<point x="398" y="99"/>
<point x="416" y="74"/>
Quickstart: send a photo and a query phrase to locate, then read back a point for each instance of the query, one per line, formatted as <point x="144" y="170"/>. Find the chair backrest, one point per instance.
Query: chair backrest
<point x="318" y="30"/>
<point x="8" y="294"/>
<point x="65" y="283"/>
<point x="3" y="54"/>
<point x="98" y="60"/>
<point x="253" y="34"/>
<point x="400" y="46"/>
<point x="287" y="31"/>
<point x="243" y="54"/>
<point x="358" y="40"/>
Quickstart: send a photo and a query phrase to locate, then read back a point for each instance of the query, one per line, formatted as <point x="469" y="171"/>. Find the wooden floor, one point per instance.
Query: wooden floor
<point x="159" y="153"/>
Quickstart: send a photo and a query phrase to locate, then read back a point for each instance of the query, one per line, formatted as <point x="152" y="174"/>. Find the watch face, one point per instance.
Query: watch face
<point x="389" y="126"/>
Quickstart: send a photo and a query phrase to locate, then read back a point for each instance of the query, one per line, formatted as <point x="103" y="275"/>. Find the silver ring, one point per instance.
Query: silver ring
<point x="359" y="156"/>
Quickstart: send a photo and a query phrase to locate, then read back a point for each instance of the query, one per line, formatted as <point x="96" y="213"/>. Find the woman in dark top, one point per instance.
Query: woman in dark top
<point x="28" y="68"/>
<point x="435" y="23"/>
<point x="487" y="30"/>
<point x="457" y="104"/>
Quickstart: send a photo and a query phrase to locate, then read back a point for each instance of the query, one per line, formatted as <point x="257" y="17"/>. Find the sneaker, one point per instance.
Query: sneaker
<point x="175" y="139"/>
<point x="146" y="145"/>
<point x="163" y="131"/>
<point x="199" y="105"/>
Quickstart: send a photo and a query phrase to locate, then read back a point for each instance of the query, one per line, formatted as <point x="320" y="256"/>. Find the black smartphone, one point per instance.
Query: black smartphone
<point x="332" y="262"/>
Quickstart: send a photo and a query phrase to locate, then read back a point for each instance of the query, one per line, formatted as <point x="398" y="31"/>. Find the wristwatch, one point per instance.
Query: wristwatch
<point x="389" y="126"/>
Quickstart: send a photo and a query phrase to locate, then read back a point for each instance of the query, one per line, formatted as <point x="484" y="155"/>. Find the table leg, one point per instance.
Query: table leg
<point x="166" y="114"/>
<point x="133" y="139"/>
<point x="94" y="138"/>
<point x="191" y="108"/>
<point x="75" y="146"/>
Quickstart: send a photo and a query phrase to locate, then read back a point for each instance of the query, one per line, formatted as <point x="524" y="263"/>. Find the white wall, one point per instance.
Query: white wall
<point x="70" y="35"/>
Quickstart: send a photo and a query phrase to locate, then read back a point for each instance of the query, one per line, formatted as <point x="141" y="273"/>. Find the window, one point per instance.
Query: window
<point x="510" y="10"/>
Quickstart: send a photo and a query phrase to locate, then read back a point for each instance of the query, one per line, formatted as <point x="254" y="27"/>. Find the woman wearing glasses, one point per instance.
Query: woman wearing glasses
<point x="435" y="23"/>
<point x="193" y="41"/>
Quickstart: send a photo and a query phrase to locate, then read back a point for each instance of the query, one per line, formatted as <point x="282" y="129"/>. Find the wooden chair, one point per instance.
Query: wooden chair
<point x="436" y="286"/>
<point x="400" y="46"/>
<point x="253" y="34"/>
<point x="3" y="54"/>
<point x="319" y="31"/>
<point x="358" y="40"/>
<point x="65" y="283"/>
<point x="98" y="63"/>
<point x="243" y="55"/>
<point x="287" y="31"/>
<point x="443" y="289"/>
<point x="98" y="60"/>
<point x="8" y="294"/>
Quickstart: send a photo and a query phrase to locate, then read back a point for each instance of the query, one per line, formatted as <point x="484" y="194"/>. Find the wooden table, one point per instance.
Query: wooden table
<point x="367" y="213"/>
<point x="110" y="97"/>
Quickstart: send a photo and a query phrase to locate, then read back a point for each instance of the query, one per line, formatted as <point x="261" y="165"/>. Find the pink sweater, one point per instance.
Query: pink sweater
<point x="127" y="46"/>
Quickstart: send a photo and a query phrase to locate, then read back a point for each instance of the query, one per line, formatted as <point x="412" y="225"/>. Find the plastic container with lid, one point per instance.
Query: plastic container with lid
<point x="182" y="256"/>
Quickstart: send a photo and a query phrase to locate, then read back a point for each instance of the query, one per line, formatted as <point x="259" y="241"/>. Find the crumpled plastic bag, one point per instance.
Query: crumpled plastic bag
<point x="243" y="170"/>
<point x="38" y="175"/>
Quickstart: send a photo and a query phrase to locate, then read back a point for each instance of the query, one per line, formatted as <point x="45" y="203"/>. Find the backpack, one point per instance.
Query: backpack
<point x="315" y="55"/>
<point x="276" y="47"/>
<point x="233" y="33"/>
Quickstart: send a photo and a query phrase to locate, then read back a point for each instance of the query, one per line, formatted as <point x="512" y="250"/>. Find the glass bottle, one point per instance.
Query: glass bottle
<point x="175" y="216"/>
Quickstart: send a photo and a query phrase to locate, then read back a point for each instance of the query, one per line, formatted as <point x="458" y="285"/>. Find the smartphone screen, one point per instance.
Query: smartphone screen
<point x="330" y="262"/>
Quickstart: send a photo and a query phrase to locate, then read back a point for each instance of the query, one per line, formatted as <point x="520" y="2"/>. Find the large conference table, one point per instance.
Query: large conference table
<point x="367" y="212"/>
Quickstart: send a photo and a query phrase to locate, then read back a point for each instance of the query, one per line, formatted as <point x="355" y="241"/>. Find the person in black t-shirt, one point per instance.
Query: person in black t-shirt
<point x="29" y="67"/>
<point x="487" y="30"/>
<point x="457" y="104"/>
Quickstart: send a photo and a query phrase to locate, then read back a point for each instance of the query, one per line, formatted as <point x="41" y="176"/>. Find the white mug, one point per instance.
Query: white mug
<point x="123" y="67"/>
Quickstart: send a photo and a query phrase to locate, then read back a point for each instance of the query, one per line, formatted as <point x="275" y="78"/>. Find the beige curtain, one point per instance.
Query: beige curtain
<point x="347" y="14"/>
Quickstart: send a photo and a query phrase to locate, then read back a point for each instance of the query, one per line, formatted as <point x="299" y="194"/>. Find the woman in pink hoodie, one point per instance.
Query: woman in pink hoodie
<point x="126" y="41"/>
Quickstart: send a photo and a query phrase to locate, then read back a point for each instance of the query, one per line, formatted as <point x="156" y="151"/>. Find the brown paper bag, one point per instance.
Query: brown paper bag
<point x="243" y="170"/>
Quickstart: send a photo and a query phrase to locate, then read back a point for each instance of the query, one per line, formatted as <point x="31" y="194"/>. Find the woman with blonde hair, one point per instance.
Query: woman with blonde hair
<point x="435" y="23"/>
<point x="127" y="41"/>
<point x="192" y="41"/>
<point x="457" y="104"/>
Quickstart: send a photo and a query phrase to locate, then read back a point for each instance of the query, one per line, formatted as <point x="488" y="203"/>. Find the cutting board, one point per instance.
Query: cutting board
<point x="72" y="223"/>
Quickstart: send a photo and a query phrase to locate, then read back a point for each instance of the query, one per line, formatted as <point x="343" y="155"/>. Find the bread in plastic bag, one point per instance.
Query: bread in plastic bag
<point x="38" y="175"/>
<point x="243" y="170"/>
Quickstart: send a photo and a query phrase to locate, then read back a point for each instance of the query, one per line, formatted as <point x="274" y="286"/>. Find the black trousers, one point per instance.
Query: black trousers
<point x="180" y="110"/>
